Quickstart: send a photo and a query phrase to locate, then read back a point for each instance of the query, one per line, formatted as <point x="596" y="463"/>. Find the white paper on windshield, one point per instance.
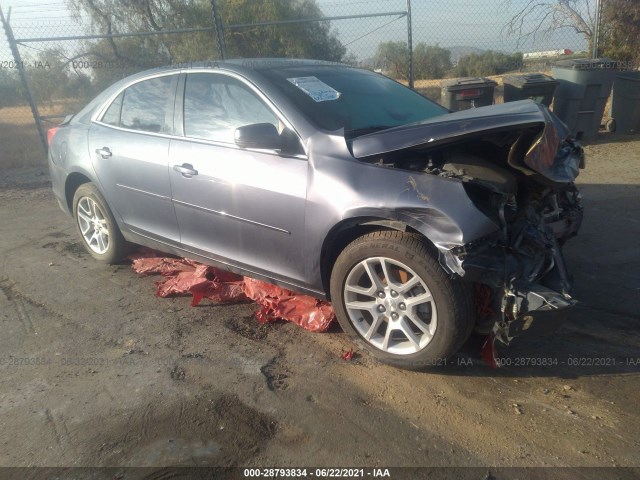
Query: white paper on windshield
<point x="316" y="89"/>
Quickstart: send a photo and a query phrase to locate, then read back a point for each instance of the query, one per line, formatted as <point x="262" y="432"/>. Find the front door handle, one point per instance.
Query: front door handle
<point x="104" y="152"/>
<point x="186" y="169"/>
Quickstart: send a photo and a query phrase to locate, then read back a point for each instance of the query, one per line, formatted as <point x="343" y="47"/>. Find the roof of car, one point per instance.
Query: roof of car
<point x="263" y="63"/>
<point x="242" y="64"/>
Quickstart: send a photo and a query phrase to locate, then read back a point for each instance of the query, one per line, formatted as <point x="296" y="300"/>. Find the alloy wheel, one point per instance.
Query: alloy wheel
<point x="390" y="306"/>
<point x="93" y="225"/>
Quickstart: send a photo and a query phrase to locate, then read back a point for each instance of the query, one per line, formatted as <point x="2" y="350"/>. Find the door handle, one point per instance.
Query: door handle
<point x="186" y="169"/>
<point x="104" y="152"/>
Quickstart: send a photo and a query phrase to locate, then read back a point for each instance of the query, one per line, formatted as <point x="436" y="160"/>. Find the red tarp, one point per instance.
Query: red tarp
<point x="182" y="276"/>
<point x="488" y="352"/>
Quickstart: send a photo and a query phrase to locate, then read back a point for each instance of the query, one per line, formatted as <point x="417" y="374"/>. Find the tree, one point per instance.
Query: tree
<point x="431" y="61"/>
<point x="300" y="40"/>
<point x="546" y="16"/>
<point x="113" y="58"/>
<point x="620" y="31"/>
<point x="312" y="39"/>
<point x="393" y="59"/>
<point x="51" y="77"/>
<point x="10" y="88"/>
<point x="487" y="63"/>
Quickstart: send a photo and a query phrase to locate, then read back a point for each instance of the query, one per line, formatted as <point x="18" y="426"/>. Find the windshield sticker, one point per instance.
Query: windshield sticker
<point x="316" y="89"/>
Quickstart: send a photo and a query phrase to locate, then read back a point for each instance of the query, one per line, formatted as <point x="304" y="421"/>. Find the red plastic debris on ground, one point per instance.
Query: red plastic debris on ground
<point x="348" y="355"/>
<point x="182" y="276"/>
<point x="488" y="352"/>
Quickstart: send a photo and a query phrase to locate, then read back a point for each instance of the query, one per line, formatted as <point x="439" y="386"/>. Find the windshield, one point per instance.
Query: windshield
<point x="361" y="102"/>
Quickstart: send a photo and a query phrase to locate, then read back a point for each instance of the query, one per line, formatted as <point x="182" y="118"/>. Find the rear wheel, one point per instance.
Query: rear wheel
<point x="96" y="225"/>
<point x="393" y="299"/>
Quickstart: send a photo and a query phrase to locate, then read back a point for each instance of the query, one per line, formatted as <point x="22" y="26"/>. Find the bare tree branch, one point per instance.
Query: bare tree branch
<point x="152" y="20"/>
<point x="539" y="16"/>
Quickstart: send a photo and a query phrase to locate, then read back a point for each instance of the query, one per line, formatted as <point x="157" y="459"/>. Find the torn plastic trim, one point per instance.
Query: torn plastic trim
<point x="452" y="256"/>
<point x="538" y="310"/>
<point x="532" y="295"/>
<point x="488" y="262"/>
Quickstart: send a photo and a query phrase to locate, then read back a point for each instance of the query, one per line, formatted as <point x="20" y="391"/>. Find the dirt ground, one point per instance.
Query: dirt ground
<point x="96" y="371"/>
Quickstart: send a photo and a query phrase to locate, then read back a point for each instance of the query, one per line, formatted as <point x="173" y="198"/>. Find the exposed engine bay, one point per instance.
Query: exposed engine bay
<point x="522" y="179"/>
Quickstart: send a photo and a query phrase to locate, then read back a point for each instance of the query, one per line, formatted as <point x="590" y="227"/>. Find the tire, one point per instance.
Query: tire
<point x="98" y="229"/>
<point x="431" y="315"/>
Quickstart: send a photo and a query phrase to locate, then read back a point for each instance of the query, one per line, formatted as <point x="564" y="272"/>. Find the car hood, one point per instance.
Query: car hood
<point x="544" y="156"/>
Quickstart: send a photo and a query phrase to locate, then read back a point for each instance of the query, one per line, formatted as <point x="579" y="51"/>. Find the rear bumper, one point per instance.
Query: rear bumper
<point x="57" y="175"/>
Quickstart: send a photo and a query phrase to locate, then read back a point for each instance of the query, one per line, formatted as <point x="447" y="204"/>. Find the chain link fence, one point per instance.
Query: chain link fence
<point x="19" y="140"/>
<point x="480" y="38"/>
<point x="66" y="51"/>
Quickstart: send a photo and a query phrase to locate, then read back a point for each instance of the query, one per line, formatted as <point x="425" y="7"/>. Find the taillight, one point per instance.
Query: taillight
<point x="50" y="134"/>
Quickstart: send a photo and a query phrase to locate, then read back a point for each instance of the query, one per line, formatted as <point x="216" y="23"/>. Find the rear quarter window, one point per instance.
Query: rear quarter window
<point x="112" y="115"/>
<point x="145" y="106"/>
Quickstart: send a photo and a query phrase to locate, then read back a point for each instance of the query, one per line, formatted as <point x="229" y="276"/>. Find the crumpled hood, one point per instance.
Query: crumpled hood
<point x="554" y="153"/>
<point x="544" y="156"/>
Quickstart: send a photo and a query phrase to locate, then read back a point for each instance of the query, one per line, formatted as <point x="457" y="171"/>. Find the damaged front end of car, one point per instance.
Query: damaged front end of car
<point x="522" y="282"/>
<point x="517" y="163"/>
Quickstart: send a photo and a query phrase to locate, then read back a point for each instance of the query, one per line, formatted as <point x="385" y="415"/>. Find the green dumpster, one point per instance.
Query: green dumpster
<point x="465" y="93"/>
<point x="583" y="88"/>
<point x="536" y="86"/>
<point x="625" y="102"/>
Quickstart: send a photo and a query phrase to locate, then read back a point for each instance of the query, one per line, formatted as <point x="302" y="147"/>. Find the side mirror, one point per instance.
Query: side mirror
<point x="258" y="135"/>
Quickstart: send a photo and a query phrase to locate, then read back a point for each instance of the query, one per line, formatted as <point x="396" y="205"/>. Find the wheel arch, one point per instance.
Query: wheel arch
<point x="71" y="184"/>
<point x="347" y="230"/>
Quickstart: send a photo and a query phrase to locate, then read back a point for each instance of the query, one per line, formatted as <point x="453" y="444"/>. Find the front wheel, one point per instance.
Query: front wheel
<point x="96" y="225"/>
<point x="391" y="296"/>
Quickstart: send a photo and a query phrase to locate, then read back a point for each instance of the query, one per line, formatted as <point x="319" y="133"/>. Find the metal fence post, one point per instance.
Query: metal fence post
<point x="217" y="26"/>
<point x="23" y="77"/>
<point x="409" y="44"/>
<point x="596" y="30"/>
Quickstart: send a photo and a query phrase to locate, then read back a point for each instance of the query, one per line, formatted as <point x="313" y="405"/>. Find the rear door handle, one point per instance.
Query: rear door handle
<point x="186" y="169"/>
<point x="104" y="152"/>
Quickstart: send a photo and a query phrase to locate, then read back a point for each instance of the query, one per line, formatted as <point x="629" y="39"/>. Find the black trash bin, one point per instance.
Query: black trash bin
<point x="536" y="86"/>
<point x="583" y="88"/>
<point x="625" y="102"/>
<point x="464" y="93"/>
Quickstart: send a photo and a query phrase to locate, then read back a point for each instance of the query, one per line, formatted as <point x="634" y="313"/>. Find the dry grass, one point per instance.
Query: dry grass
<point x="21" y="115"/>
<point x="20" y="145"/>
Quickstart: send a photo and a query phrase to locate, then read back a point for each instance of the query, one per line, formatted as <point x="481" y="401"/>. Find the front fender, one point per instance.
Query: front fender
<point x="341" y="189"/>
